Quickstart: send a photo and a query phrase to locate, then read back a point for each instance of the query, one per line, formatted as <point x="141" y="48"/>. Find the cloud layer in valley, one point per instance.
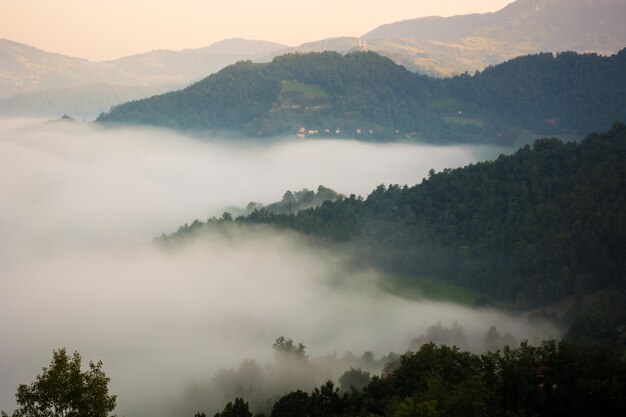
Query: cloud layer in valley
<point x="79" y="206"/>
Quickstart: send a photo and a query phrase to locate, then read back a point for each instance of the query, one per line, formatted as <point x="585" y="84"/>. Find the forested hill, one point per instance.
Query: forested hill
<point x="367" y="96"/>
<point x="534" y="226"/>
<point x="315" y="90"/>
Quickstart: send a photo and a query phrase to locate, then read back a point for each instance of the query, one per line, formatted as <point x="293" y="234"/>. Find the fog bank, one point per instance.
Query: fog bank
<point x="79" y="206"/>
<point x="125" y="183"/>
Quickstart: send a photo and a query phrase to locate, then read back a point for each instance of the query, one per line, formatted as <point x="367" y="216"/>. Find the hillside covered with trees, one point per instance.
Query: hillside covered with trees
<point x="554" y="379"/>
<point x="532" y="227"/>
<point x="367" y="96"/>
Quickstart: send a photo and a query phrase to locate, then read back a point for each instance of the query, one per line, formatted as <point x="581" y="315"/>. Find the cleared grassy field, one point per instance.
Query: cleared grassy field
<point x="419" y="288"/>
<point x="305" y="91"/>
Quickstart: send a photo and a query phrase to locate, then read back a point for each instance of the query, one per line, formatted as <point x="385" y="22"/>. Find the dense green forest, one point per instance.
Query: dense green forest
<point x="531" y="227"/>
<point x="542" y="92"/>
<point x="367" y="96"/>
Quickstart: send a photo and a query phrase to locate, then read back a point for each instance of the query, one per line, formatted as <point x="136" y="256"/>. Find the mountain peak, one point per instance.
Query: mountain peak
<point x="241" y="46"/>
<point x="554" y="25"/>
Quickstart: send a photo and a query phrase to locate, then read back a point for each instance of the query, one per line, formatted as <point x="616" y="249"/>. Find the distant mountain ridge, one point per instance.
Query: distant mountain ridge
<point x="551" y="25"/>
<point x="444" y="46"/>
<point x="25" y="69"/>
<point x="431" y="45"/>
<point x="242" y="47"/>
<point x="367" y="96"/>
<point x="39" y="83"/>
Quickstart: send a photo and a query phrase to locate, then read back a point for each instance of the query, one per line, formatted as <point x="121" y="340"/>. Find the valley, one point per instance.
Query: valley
<point x="314" y="209"/>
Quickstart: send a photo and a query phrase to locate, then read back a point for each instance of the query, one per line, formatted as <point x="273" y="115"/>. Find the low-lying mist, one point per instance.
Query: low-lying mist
<point x="79" y="206"/>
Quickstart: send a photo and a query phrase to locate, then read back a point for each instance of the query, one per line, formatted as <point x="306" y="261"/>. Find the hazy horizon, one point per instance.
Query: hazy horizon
<point x="105" y="31"/>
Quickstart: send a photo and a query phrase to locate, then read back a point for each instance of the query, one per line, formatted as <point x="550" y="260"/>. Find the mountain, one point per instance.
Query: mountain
<point x="550" y="25"/>
<point x="24" y="69"/>
<point x="242" y="47"/>
<point x="431" y="45"/>
<point x="444" y="46"/>
<point x="433" y="28"/>
<point x="342" y="45"/>
<point x="472" y="42"/>
<point x="321" y="90"/>
<point x="188" y="65"/>
<point x="532" y="227"/>
<point x="438" y="58"/>
<point x="367" y="96"/>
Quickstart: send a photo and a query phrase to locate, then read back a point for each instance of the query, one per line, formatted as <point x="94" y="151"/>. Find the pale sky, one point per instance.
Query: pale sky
<point x="108" y="29"/>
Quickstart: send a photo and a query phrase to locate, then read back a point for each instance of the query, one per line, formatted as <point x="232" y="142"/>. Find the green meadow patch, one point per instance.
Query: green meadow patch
<point x="419" y="288"/>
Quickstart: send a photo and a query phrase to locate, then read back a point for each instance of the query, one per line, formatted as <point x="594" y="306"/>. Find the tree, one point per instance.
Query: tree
<point x="62" y="390"/>
<point x="286" y="347"/>
<point x="325" y="401"/>
<point x="354" y="378"/>
<point x="493" y="340"/>
<point x="294" y="404"/>
<point x="239" y="408"/>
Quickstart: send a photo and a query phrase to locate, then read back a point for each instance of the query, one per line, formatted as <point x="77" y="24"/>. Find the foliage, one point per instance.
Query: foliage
<point x="291" y="202"/>
<point x="354" y="378"/>
<point x="453" y="336"/>
<point x="548" y="92"/>
<point x="239" y="408"/>
<point x="294" y="404"/>
<point x="262" y="384"/>
<point x="294" y="201"/>
<point x="323" y="401"/>
<point x="603" y="321"/>
<point x="286" y="347"/>
<point x="553" y="379"/>
<point x="64" y="390"/>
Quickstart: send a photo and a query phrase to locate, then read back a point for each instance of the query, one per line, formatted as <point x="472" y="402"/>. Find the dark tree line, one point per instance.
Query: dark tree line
<point x="555" y="379"/>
